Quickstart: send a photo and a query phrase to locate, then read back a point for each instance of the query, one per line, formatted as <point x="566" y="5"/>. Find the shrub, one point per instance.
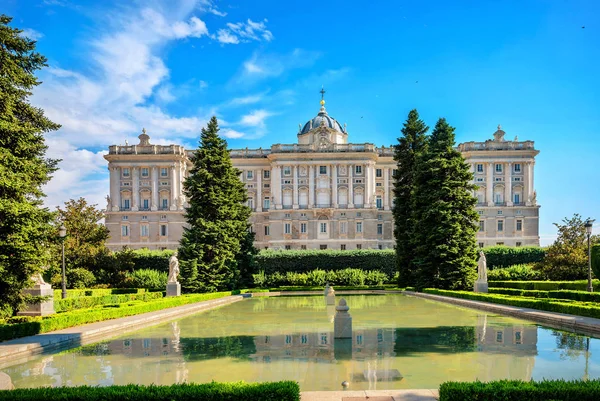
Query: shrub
<point x="347" y="277"/>
<point x="523" y="272"/>
<point x="260" y="279"/>
<point x="302" y="261"/>
<point x="546" y="285"/>
<point x="596" y="260"/>
<point x="68" y="304"/>
<point x="284" y="390"/>
<point x="145" y="278"/>
<point x="76" y="278"/>
<point x="504" y="256"/>
<point x="581" y="390"/>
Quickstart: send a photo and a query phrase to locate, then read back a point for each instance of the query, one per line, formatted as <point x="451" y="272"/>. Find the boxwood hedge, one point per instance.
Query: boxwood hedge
<point x="275" y="391"/>
<point x="583" y="296"/>
<point x="504" y="256"/>
<point x="69" y="304"/>
<point x="579" y="285"/>
<point x="516" y="390"/>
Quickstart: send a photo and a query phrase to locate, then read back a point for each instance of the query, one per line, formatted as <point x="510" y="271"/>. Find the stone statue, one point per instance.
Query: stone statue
<point x="482" y="267"/>
<point x="534" y="197"/>
<point x="38" y="279"/>
<point x="173" y="268"/>
<point x="108" y="203"/>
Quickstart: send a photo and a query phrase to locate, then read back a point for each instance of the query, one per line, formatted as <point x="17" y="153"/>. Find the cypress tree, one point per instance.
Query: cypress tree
<point x="444" y="208"/>
<point x="410" y="145"/>
<point x="25" y="226"/>
<point x="216" y="217"/>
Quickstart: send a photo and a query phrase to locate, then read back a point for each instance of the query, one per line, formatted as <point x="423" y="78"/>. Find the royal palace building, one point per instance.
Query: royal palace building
<point x="319" y="193"/>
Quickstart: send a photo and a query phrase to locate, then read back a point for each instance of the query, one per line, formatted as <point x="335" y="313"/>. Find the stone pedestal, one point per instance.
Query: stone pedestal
<point x="330" y="296"/>
<point x="5" y="382"/>
<point x="480" y="286"/>
<point x="342" y="324"/>
<point x="45" y="307"/>
<point x="173" y="289"/>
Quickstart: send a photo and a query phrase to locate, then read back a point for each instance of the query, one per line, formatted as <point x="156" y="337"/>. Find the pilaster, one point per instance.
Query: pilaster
<point x="155" y="172"/>
<point x="334" y="186"/>
<point x="508" y="184"/>
<point x="386" y="188"/>
<point x="350" y="186"/>
<point x="136" y="189"/>
<point x="489" y="184"/>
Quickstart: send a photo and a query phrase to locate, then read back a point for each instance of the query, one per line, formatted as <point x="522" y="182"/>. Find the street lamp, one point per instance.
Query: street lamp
<point x="588" y="229"/>
<point x="62" y="233"/>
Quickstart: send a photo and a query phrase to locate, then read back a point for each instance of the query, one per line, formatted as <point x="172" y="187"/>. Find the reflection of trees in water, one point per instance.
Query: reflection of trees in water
<point x="194" y="349"/>
<point x="570" y="345"/>
<point x="435" y="339"/>
<point x="318" y="302"/>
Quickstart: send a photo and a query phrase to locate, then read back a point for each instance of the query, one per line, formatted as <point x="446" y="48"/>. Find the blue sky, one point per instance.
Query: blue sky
<point x="118" y="66"/>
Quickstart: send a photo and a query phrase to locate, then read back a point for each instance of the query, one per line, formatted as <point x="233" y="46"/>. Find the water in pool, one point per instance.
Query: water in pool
<point x="398" y="342"/>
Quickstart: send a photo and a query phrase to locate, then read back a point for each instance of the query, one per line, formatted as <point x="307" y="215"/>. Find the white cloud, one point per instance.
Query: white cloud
<point x="264" y="65"/>
<point x="232" y="134"/>
<point x="217" y="12"/>
<point x="255" y="118"/>
<point x="250" y="99"/>
<point x="244" y="32"/>
<point x="32" y="34"/>
<point x="203" y="84"/>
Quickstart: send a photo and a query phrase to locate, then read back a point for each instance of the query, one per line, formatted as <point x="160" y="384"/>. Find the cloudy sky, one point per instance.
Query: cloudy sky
<point x="118" y="66"/>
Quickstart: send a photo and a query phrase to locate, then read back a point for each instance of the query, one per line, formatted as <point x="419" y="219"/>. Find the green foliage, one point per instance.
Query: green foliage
<point x="246" y="260"/>
<point x="146" y="278"/>
<point x="349" y="277"/>
<point x="152" y="259"/>
<point x="302" y="261"/>
<point x="596" y="260"/>
<point x="411" y="145"/>
<point x="582" y="296"/>
<point x="589" y="309"/>
<point x="98" y="292"/>
<point x="506" y="256"/>
<point x="217" y="218"/>
<point x="523" y="272"/>
<point x="580" y="390"/>
<point x="547" y="285"/>
<point x="36" y="325"/>
<point x="69" y="304"/>
<point x="274" y="391"/>
<point x="443" y="244"/>
<point x="567" y="257"/>
<point x="76" y="278"/>
<point x="25" y="225"/>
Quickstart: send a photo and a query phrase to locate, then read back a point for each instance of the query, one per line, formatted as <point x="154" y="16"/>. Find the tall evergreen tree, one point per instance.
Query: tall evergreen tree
<point x="25" y="226"/>
<point x="444" y="208"/>
<point x="217" y="217"/>
<point x="410" y="145"/>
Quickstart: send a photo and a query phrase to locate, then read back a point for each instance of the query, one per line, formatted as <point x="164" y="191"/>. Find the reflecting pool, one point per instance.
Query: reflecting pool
<point x="398" y="342"/>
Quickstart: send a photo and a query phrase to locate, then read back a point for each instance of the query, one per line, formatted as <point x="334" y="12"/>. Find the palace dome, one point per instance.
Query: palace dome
<point x="325" y="119"/>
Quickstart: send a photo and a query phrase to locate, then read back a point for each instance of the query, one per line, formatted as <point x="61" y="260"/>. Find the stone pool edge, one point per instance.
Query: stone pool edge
<point x="575" y="323"/>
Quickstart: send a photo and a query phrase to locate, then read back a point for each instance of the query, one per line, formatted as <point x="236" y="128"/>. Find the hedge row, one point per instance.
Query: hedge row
<point x="582" y="296"/>
<point x="69" y="304"/>
<point x="275" y="391"/>
<point x="550" y="305"/>
<point x="596" y="259"/>
<point x="301" y="261"/>
<point x="504" y="256"/>
<point x="353" y="277"/>
<point x="580" y="285"/>
<point x="29" y="326"/>
<point x="522" y="272"/>
<point x="98" y="292"/>
<point x="580" y="390"/>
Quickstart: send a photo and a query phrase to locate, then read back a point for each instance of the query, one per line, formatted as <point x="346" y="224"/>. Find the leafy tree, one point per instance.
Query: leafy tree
<point x="216" y="217"/>
<point x="85" y="244"/>
<point x="410" y="145"/>
<point x="444" y="208"/>
<point x="246" y="261"/>
<point x="25" y="226"/>
<point x="567" y="257"/>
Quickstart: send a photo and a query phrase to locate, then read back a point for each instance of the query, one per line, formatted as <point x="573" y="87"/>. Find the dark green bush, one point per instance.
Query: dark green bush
<point x="98" y="292"/>
<point x="550" y="305"/>
<point x="580" y="285"/>
<point x="146" y="278"/>
<point x="522" y="272"/>
<point x="596" y="260"/>
<point x="275" y="391"/>
<point x="505" y="256"/>
<point x="76" y="278"/>
<point x="518" y="293"/>
<point x="503" y="390"/>
<point x="301" y="261"/>
<point x="351" y="277"/>
<point x="68" y="304"/>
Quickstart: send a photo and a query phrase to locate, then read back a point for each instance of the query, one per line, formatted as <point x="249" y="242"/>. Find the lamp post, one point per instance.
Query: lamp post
<point x="62" y="233"/>
<point x="588" y="228"/>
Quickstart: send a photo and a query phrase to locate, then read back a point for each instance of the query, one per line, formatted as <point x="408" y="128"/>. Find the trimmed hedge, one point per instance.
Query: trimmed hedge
<point x="69" y="304"/>
<point x="317" y="277"/>
<point x="550" y="305"/>
<point x="302" y="261"/>
<point x="505" y="256"/>
<point x="582" y="296"/>
<point x="29" y="326"/>
<point x="275" y="391"/>
<point x="523" y="272"/>
<point x="580" y="285"/>
<point x="98" y="292"/>
<point x="579" y="390"/>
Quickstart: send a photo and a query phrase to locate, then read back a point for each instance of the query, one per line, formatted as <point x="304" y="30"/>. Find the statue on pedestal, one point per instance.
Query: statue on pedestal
<point x="173" y="268"/>
<point x="482" y="267"/>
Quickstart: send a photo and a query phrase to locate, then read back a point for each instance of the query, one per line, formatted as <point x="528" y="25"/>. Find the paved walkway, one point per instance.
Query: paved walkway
<point x="370" y="395"/>
<point x="580" y="324"/>
<point x="21" y="350"/>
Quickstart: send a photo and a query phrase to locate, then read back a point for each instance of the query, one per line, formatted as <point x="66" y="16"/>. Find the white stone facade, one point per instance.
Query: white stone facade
<point x="321" y="193"/>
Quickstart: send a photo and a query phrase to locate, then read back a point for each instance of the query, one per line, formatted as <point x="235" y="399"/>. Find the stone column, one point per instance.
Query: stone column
<point x="508" y="184"/>
<point x="386" y="188"/>
<point x="367" y="186"/>
<point x="174" y="187"/>
<point x="311" y="186"/>
<point x="136" y="189"/>
<point x="350" y="186"/>
<point x="526" y="180"/>
<point x="181" y="178"/>
<point x="258" y="200"/>
<point x="489" y="185"/>
<point x="115" y="188"/>
<point x="531" y="177"/>
<point x="334" y="186"/>
<point x="372" y="187"/>
<point x="295" y="184"/>
<point x="155" y="172"/>
<point x="278" y="191"/>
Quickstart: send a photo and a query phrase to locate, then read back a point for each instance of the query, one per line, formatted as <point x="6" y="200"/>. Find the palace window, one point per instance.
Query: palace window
<point x="164" y="183"/>
<point x="267" y="174"/>
<point x="251" y="203"/>
<point x="518" y="244"/>
<point x="517" y="167"/>
<point x="145" y="218"/>
<point x="480" y="212"/>
<point x="145" y="203"/>
<point x="303" y="228"/>
<point x="287" y="248"/>
<point x="163" y="216"/>
<point x="499" y="212"/>
<point x="359" y="227"/>
<point x="498" y="167"/>
<point x="144" y="230"/>
<point x="287" y="170"/>
<point x="323" y="339"/>
<point x="379" y="217"/>
<point x="343" y="227"/>
<point x="378" y="173"/>
<point x="379" y="202"/>
<point x="358" y="246"/>
<point x="519" y="225"/>
<point x="519" y="212"/>
<point x="342" y="247"/>
<point x="126" y="172"/>
<point x="125" y="231"/>
<point x="164" y="172"/>
<point x="287" y="228"/>
<point x="378" y="184"/>
<point x="126" y="204"/>
<point x="358" y="169"/>
<point x="322" y="169"/>
<point x="303" y="247"/>
<point x="379" y="229"/>
<point x="163" y="230"/>
<point x="480" y="168"/>
<point x="323" y="227"/>
<point x="249" y="174"/>
<point x="481" y="244"/>
<point x="145" y="172"/>
<point x="517" y="198"/>
<point x="165" y="203"/>
<point x="288" y="216"/>
<point x="517" y="179"/>
<point x="125" y="218"/>
<point x="481" y="225"/>
<point x="267" y="203"/>
<point x="500" y="225"/>
<point x="267" y="230"/>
